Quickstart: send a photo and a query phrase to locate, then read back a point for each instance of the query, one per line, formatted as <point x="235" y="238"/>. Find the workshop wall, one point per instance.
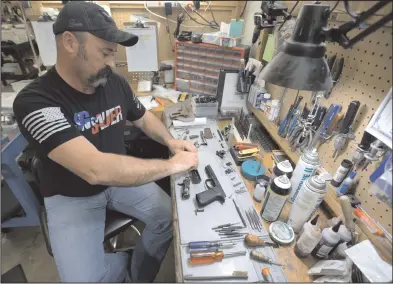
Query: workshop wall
<point x="121" y="11"/>
<point x="366" y="77"/>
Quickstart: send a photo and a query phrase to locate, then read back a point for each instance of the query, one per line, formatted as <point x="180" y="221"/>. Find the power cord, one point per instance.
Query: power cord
<point x="194" y="20"/>
<point x="211" y="11"/>
<point x="203" y="18"/>
<point x="180" y="20"/>
<point x="169" y="34"/>
<point x="244" y="8"/>
<point x="334" y="7"/>
<point x="172" y="21"/>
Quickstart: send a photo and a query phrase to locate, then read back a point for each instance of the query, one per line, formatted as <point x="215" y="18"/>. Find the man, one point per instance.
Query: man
<point x="74" y="118"/>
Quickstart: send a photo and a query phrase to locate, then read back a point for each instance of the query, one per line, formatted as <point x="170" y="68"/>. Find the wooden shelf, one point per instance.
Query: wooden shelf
<point x="383" y="246"/>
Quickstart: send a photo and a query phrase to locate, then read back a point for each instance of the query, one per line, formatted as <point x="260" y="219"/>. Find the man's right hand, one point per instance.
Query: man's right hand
<point x="184" y="161"/>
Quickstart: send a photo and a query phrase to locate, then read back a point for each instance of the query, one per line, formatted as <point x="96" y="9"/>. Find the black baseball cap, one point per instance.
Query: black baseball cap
<point x="80" y="16"/>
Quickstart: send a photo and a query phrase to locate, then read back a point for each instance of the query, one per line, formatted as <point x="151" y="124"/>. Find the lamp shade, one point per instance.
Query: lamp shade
<point x="301" y="62"/>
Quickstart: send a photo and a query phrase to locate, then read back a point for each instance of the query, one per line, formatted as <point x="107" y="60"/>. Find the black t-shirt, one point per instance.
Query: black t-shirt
<point x="50" y="112"/>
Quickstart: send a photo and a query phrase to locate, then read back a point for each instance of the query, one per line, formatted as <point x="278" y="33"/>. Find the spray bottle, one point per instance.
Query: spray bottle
<point x="307" y="202"/>
<point x="330" y="237"/>
<point x="305" y="168"/>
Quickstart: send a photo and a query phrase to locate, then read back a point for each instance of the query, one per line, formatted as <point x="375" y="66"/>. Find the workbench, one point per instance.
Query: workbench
<point x="295" y="269"/>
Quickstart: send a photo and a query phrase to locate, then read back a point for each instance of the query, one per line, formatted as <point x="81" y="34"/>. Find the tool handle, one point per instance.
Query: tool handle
<point x="284" y="122"/>
<point x="321" y="112"/>
<point x="347" y="211"/>
<point x="201" y="260"/>
<point x="335" y="123"/>
<point x="256" y="255"/>
<point x="253" y="241"/>
<point x="366" y="141"/>
<point x="267" y="276"/>
<point x="203" y="244"/>
<point x="297" y="102"/>
<point x="349" y="116"/>
<point x="205" y="257"/>
<point x="329" y="117"/>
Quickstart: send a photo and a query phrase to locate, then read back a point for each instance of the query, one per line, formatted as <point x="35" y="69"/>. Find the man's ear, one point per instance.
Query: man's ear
<point x="70" y="42"/>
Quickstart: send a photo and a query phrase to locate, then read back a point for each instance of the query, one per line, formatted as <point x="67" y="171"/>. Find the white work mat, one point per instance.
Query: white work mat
<point x="198" y="227"/>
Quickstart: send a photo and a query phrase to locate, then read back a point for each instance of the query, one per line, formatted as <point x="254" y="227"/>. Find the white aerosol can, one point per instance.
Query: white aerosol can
<point x="307" y="202"/>
<point x="306" y="167"/>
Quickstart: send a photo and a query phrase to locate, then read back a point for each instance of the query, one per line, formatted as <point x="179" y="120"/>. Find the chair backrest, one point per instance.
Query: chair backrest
<point x="36" y="170"/>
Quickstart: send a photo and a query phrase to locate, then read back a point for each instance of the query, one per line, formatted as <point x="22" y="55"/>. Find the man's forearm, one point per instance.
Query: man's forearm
<point x="155" y="129"/>
<point x="118" y="170"/>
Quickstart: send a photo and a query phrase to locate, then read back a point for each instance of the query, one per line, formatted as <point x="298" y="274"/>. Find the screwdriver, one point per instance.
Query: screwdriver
<point x="253" y="241"/>
<point x="348" y="119"/>
<point x="225" y="225"/>
<point x="210" y="257"/>
<point x="256" y="255"/>
<point x="266" y="275"/>
<point x="207" y="244"/>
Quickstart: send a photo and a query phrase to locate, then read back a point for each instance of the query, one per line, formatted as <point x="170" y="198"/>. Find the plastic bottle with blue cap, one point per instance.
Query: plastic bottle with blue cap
<point x="346" y="185"/>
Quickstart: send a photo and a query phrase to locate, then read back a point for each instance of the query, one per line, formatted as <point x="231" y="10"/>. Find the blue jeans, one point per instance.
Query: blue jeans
<point x="76" y="231"/>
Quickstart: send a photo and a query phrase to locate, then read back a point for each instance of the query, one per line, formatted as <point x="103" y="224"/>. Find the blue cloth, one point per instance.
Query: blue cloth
<point x="76" y="231"/>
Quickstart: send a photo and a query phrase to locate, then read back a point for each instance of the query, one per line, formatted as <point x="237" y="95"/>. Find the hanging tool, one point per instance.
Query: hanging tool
<point x="361" y="149"/>
<point x="208" y="244"/>
<point x="267" y="276"/>
<point x="240" y="213"/>
<point x="346" y="128"/>
<point x="376" y="147"/>
<point x="277" y="120"/>
<point x="322" y="133"/>
<point x="255" y="241"/>
<point x="233" y="275"/>
<point x="211" y="257"/>
<point x="288" y="117"/>
<point x="256" y="255"/>
<point x="336" y="71"/>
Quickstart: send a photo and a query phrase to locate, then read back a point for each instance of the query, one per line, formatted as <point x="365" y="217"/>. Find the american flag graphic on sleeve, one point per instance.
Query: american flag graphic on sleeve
<point x="45" y="122"/>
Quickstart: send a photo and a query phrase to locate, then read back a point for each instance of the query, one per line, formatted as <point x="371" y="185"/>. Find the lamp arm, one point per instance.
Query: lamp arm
<point x="339" y="34"/>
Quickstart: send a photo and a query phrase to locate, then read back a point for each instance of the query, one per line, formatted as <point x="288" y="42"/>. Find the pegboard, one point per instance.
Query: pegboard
<point x="366" y="77"/>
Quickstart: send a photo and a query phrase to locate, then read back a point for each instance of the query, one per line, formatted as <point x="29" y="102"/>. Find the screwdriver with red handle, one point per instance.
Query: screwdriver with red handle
<point x="211" y="257"/>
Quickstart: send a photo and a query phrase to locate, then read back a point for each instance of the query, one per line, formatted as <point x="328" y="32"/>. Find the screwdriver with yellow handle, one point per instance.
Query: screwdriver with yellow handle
<point x="210" y="257"/>
<point x="267" y="276"/>
<point x="254" y="241"/>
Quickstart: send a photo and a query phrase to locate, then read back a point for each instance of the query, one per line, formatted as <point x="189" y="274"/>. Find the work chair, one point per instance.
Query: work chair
<point x="115" y="222"/>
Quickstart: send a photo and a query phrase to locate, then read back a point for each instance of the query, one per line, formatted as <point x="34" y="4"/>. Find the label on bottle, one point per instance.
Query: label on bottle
<point x="323" y="251"/>
<point x="307" y="243"/>
<point x="339" y="176"/>
<point x="272" y="206"/>
<point x="305" y="204"/>
<point x="301" y="173"/>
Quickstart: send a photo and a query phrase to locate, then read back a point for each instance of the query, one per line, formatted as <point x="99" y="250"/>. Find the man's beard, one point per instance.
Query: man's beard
<point x="100" y="78"/>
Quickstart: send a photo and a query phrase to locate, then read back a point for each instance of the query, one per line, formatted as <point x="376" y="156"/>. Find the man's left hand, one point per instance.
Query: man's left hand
<point x="181" y="145"/>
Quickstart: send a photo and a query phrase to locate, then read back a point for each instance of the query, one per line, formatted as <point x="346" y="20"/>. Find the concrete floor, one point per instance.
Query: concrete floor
<point x="26" y="246"/>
